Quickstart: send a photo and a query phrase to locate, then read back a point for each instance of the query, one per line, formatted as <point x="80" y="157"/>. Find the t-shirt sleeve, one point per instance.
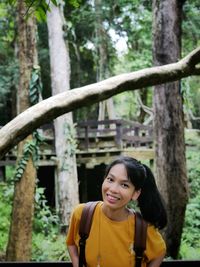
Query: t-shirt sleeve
<point x="72" y="234"/>
<point x="155" y="245"/>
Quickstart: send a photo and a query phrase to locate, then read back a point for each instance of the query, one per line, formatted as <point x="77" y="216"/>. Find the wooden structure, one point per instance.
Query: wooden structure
<point x="100" y="141"/>
<point x="97" y="142"/>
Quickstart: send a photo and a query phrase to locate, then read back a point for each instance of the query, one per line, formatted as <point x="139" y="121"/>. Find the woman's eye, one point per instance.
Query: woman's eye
<point x="109" y="179"/>
<point x="125" y="185"/>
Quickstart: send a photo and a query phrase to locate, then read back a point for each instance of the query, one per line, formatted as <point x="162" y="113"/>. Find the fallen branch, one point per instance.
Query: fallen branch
<point x="24" y="124"/>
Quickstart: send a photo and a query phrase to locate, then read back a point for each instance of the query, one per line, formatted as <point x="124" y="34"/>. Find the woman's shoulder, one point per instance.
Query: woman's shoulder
<point x="79" y="208"/>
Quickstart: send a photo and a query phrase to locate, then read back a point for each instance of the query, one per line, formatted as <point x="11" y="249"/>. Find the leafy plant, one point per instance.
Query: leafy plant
<point x="6" y="195"/>
<point x="49" y="248"/>
<point x="35" y="86"/>
<point x="44" y="219"/>
<point x="190" y="247"/>
<point x="48" y="244"/>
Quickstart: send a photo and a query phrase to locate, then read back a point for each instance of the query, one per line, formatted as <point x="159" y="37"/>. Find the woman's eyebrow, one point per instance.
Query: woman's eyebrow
<point x="111" y="174"/>
<point x="125" y="180"/>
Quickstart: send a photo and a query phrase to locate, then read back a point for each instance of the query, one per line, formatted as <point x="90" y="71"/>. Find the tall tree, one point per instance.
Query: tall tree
<point x="168" y="120"/>
<point x="63" y="125"/>
<point x="20" y="236"/>
<point x="102" y="44"/>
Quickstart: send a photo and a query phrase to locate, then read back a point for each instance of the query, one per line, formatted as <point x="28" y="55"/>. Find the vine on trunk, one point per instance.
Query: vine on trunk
<point x="31" y="148"/>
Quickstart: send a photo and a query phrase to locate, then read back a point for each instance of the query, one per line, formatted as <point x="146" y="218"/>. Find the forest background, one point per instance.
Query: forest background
<point x="121" y="30"/>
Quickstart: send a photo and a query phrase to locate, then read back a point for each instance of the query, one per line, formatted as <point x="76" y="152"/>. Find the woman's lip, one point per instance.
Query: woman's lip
<point x="111" y="198"/>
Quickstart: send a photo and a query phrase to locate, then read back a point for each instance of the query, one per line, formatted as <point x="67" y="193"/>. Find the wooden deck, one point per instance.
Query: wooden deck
<point x="101" y="141"/>
<point x="98" y="142"/>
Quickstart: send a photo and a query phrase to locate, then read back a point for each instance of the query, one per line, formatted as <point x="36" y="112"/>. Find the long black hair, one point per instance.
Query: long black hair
<point x="150" y="201"/>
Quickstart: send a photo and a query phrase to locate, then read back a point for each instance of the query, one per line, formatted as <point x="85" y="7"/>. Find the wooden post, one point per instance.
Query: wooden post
<point x="118" y="138"/>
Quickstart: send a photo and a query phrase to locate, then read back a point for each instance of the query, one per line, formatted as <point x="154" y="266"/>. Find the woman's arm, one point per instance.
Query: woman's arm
<point x="73" y="252"/>
<point x="156" y="262"/>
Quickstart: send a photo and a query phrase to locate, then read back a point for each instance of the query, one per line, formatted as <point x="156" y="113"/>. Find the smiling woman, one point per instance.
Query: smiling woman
<point x="117" y="191"/>
<point x="111" y="238"/>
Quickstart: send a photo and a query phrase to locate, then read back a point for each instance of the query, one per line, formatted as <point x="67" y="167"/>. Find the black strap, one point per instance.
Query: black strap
<point x="140" y="238"/>
<point x="84" y="229"/>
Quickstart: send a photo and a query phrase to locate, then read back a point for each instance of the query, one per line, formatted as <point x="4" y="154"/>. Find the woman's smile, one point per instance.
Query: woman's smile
<point x="111" y="198"/>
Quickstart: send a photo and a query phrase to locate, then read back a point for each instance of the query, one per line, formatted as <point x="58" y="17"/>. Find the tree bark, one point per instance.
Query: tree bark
<point x="51" y="108"/>
<point x="142" y="113"/>
<point x="168" y="122"/>
<point x="20" y="236"/>
<point x="102" y="57"/>
<point x="65" y="151"/>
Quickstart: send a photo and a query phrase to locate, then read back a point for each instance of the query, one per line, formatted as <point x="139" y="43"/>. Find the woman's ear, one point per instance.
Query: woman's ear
<point x="136" y="194"/>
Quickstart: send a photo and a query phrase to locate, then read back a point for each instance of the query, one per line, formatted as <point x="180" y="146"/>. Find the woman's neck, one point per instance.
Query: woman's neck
<point x="115" y="214"/>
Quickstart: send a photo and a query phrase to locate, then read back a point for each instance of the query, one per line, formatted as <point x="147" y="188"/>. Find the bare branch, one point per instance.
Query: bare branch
<point x="49" y="109"/>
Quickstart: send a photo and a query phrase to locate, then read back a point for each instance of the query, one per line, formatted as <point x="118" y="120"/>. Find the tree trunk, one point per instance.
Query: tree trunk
<point x="143" y="95"/>
<point x="65" y="148"/>
<point x="20" y="236"/>
<point x="168" y="122"/>
<point x="102" y="55"/>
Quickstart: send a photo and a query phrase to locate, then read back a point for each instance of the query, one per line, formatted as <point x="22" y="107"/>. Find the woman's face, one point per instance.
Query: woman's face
<point x="117" y="189"/>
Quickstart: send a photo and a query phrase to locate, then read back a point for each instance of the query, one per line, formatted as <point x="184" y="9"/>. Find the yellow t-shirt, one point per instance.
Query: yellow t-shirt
<point x="110" y="243"/>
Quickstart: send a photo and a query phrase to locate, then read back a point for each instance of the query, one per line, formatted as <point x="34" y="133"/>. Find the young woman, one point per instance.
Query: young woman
<point x="110" y="243"/>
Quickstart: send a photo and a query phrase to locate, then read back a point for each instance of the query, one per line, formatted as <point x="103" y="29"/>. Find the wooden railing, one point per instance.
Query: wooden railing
<point x="124" y="133"/>
<point x="113" y="136"/>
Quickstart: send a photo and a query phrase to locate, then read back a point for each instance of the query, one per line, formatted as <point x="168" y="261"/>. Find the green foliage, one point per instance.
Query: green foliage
<point x="41" y="7"/>
<point x="189" y="252"/>
<point x="47" y="242"/>
<point x="9" y="71"/>
<point x="49" y="248"/>
<point x="44" y="219"/>
<point x="31" y="149"/>
<point x="190" y="26"/>
<point x="28" y="150"/>
<point x="128" y="111"/>
<point x="6" y="196"/>
<point x="192" y="222"/>
<point x="35" y="86"/>
<point x="194" y="173"/>
<point x="190" y="247"/>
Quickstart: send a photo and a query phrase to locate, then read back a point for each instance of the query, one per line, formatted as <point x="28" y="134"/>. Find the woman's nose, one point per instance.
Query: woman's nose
<point x="114" y="188"/>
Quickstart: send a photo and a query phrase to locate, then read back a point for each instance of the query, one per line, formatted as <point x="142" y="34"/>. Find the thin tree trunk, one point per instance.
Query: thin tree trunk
<point x="20" y="236"/>
<point x="65" y="150"/>
<point x="103" y="71"/>
<point x="168" y="122"/>
<point x="143" y="95"/>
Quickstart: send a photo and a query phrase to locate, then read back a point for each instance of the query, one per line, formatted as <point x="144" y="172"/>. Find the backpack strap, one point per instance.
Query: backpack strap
<point x="84" y="229"/>
<point x="140" y="238"/>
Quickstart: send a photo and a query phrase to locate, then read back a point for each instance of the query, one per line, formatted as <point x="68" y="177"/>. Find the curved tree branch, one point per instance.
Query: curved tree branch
<point x="24" y="124"/>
